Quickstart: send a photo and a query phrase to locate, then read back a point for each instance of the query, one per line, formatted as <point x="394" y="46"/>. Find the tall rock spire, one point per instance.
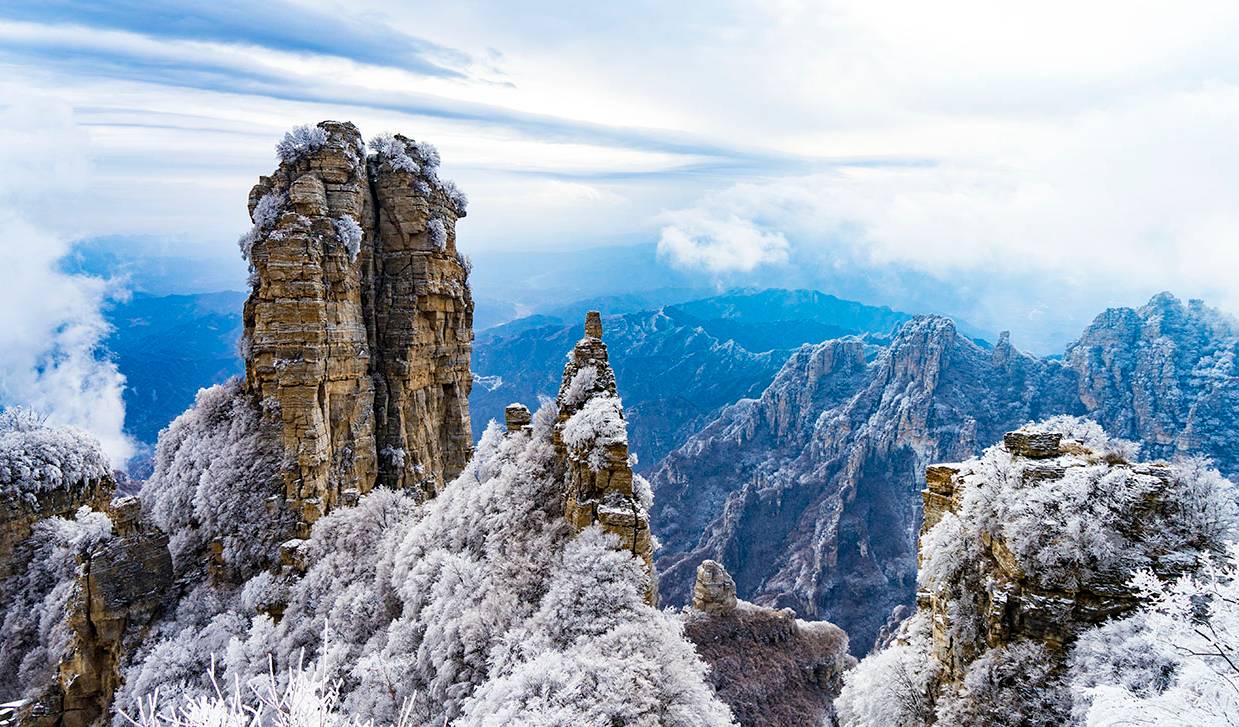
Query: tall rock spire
<point x="592" y="442"/>
<point x="358" y="327"/>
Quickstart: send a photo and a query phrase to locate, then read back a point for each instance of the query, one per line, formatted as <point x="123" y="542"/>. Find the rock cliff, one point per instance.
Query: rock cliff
<point x="591" y="442"/>
<point x="768" y="666"/>
<point x="358" y="327"/>
<point x="81" y="575"/>
<point x="804" y="492"/>
<point x="1023" y="550"/>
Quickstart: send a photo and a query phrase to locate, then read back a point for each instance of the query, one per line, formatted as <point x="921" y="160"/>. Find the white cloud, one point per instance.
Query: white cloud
<point x="51" y="321"/>
<point x="1088" y="146"/>
<point x="719" y="244"/>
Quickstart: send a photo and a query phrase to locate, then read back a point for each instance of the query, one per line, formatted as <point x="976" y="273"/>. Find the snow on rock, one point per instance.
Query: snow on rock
<point x="1027" y="551"/>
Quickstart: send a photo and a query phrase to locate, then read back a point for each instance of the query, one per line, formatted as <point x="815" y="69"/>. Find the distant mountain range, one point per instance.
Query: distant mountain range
<point x="168" y="347"/>
<point x="809" y="493"/>
<point x="676" y="365"/>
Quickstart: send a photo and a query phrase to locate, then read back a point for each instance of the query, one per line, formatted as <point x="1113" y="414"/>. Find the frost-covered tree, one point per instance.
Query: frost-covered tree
<point x="217" y="467"/>
<point x="477" y="603"/>
<point x="892" y="686"/>
<point x="349" y="234"/>
<point x="36" y="456"/>
<point x="299" y="141"/>
<point x="300" y="697"/>
<point x="1081" y="524"/>
<point x="1016" y="685"/>
<point x="1173" y="662"/>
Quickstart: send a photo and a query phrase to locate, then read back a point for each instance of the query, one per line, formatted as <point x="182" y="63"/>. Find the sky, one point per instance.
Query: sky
<point x="1027" y="164"/>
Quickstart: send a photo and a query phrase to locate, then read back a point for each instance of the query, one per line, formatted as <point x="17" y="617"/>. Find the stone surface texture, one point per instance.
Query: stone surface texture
<point x="122" y="585"/>
<point x="361" y="345"/>
<point x="714" y="591"/>
<point x="770" y="667"/>
<point x="599" y="492"/>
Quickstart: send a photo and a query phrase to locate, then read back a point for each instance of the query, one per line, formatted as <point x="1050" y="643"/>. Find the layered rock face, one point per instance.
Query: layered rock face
<point x="123" y="585"/>
<point x="359" y="325"/>
<point x="591" y="441"/>
<point x="74" y="597"/>
<point x="1012" y="603"/>
<point x="804" y="492"/>
<point x="771" y="668"/>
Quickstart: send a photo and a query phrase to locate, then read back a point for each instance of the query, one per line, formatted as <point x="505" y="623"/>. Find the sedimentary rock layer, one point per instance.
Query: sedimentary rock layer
<point x="358" y="327"/>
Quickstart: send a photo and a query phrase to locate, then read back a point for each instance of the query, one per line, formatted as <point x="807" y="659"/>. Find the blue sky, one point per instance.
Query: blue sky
<point x="1042" y="161"/>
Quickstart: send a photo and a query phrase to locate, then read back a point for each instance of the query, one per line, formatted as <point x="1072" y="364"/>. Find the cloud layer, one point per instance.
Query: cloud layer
<point x="50" y="358"/>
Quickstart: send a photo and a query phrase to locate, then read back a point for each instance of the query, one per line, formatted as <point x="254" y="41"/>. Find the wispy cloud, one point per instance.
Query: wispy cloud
<point x="273" y="24"/>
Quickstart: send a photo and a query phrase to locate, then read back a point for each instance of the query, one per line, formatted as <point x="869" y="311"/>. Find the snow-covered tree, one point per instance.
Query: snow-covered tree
<point x="1175" y="662"/>
<point x="479" y="602"/>
<point x="892" y="686"/>
<point x="216" y="467"/>
<point x="299" y="141"/>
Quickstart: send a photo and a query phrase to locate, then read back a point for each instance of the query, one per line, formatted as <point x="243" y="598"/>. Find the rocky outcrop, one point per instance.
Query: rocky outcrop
<point x="803" y="493"/>
<point x="771" y="668"/>
<point x="123" y="584"/>
<point x="591" y="443"/>
<point x="99" y="599"/>
<point x="1026" y="550"/>
<point x="1015" y="603"/>
<point x="714" y="590"/>
<point x="359" y="325"/>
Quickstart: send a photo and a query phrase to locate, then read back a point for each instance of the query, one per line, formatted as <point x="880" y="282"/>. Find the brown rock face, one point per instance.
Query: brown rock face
<point x="598" y="479"/>
<point x="516" y="417"/>
<point x="359" y="324"/>
<point x="714" y="591"/>
<point x="1034" y="445"/>
<point x="770" y="667"/>
<point x="124" y="583"/>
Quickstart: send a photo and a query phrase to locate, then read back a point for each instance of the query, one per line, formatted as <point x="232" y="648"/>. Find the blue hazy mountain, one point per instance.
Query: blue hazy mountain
<point x="677" y="364"/>
<point x="168" y="347"/>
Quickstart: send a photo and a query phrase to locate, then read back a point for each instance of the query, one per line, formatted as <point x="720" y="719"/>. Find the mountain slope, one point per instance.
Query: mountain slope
<point x="809" y="494"/>
<point x="680" y="364"/>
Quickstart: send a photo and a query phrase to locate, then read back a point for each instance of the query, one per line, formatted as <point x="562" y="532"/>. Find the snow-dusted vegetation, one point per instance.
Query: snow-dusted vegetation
<point x="34" y="634"/>
<point x="478" y="607"/>
<point x="299" y="141"/>
<point x="1173" y="662"/>
<point x="438" y="233"/>
<point x="37" y="456"/>
<point x="892" y="686"/>
<point x="350" y="235"/>
<point x="216" y="468"/>
<point x="420" y="160"/>
<point x="266" y="214"/>
<point x="1084" y="524"/>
